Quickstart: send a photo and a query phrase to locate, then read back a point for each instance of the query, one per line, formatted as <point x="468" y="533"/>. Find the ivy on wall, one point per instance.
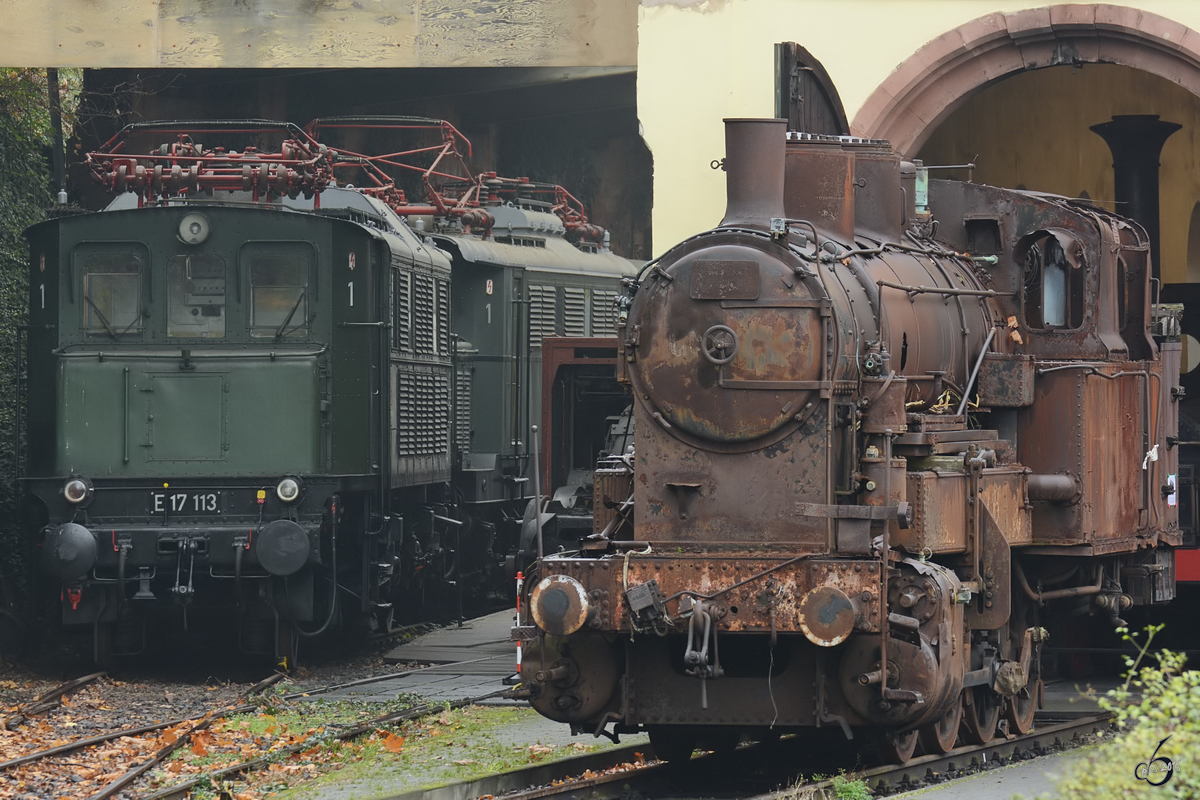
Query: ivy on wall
<point x="26" y="139"/>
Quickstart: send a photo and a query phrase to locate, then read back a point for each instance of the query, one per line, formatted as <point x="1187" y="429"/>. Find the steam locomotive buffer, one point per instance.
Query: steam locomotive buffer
<point x="890" y="432"/>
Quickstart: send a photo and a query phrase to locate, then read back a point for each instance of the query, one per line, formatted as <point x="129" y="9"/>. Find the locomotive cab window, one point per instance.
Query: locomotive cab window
<point x="280" y="295"/>
<point x="1054" y="280"/>
<point x="111" y="290"/>
<point x="196" y="296"/>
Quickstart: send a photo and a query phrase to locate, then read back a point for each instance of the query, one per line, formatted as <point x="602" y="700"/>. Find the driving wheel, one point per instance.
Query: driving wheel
<point x="980" y="715"/>
<point x="1019" y="710"/>
<point x="897" y="748"/>
<point x="941" y="736"/>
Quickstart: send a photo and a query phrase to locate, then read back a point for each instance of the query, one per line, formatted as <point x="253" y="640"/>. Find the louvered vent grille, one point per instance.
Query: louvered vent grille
<point x="443" y="317"/>
<point x="574" y="312"/>
<point x="543" y="309"/>
<point x="604" y="312"/>
<point x="401" y="310"/>
<point x="423" y="314"/>
<point x="462" y="394"/>
<point x="423" y="411"/>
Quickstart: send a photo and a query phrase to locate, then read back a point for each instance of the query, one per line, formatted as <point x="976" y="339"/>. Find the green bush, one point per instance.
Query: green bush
<point x="1161" y="727"/>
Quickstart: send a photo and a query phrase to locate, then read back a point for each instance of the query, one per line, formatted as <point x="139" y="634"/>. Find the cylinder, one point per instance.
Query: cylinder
<point x="754" y="171"/>
<point x="1057" y="488"/>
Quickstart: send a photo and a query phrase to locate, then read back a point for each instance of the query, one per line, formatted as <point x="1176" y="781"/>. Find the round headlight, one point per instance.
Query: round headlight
<point x="193" y="228"/>
<point x="288" y="490"/>
<point x="77" y="490"/>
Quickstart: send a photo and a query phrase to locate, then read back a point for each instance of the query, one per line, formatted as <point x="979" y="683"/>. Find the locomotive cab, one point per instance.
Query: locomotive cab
<point x="204" y="384"/>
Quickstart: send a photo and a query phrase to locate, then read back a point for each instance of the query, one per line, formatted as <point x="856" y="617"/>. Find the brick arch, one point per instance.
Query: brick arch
<point x="932" y="83"/>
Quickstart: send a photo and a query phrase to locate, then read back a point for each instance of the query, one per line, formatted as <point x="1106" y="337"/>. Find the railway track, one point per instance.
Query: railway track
<point x="64" y="763"/>
<point x="755" y="771"/>
<point x="160" y="739"/>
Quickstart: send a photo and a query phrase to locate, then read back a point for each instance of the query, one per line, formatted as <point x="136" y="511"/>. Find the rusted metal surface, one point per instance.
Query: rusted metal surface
<point x="1003" y="493"/>
<point x="777" y="369"/>
<point x="769" y="591"/>
<point x="611" y="486"/>
<point x="939" y="524"/>
<point x="819" y="487"/>
<point x="754" y="165"/>
<point x="1104" y="447"/>
<point x="674" y="479"/>
<point x="1006" y="380"/>
<point x="820" y="184"/>
<point x="826" y="616"/>
<point x="658" y="696"/>
<point x="559" y="605"/>
<point x="939" y="499"/>
<point x="571" y="679"/>
<point x="878" y="200"/>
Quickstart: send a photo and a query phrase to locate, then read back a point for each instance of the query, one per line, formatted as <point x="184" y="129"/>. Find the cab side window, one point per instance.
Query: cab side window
<point x="196" y="296"/>
<point x="111" y="290"/>
<point x="1055" y="272"/>
<point x="279" y="289"/>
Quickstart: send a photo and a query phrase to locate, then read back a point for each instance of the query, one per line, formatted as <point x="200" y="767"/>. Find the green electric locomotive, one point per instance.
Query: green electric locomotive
<point x="243" y="407"/>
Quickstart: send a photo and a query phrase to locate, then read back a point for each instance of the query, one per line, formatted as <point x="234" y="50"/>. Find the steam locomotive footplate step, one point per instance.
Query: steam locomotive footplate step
<point x="185" y="502"/>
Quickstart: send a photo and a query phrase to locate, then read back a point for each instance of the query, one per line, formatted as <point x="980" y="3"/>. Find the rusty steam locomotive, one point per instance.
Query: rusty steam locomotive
<point x="888" y="430"/>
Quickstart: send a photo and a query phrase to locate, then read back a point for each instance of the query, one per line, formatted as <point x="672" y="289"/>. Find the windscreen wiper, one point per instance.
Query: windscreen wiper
<point x="100" y="314"/>
<point x="292" y="313"/>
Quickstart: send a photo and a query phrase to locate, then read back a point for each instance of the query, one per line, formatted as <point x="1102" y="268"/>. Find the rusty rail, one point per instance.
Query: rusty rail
<point x="181" y="790"/>
<point x="48" y="700"/>
<point x="885" y="779"/>
<point x="80" y="744"/>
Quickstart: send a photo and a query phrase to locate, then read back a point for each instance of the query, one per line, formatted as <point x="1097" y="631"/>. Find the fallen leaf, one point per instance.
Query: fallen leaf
<point x="466" y="761"/>
<point x="200" y="742"/>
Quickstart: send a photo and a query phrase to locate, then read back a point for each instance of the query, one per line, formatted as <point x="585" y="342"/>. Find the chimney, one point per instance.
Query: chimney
<point x="754" y="171"/>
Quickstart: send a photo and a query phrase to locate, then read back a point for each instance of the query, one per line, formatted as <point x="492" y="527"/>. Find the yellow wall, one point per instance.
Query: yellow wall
<point x="329" y="33"/>
<point x="1032" y="130"/>
<point x="700" y="62"/>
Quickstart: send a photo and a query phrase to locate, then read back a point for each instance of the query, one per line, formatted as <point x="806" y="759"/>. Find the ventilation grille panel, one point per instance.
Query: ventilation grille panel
<point x="423" y="412"/>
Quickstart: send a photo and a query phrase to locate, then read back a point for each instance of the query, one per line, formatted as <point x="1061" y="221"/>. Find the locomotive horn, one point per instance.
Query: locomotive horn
<point x="754" y="171"/>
